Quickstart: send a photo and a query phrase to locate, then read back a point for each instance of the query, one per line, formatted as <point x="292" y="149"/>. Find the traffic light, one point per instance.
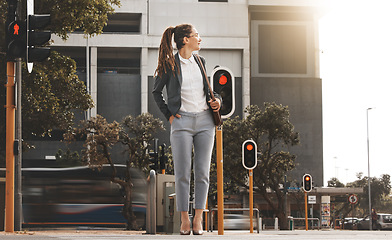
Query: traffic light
<point x="162" y="158"/>
<point x="223" y="84"/>
<point x="154" y="160"/>
<point x="154" y="156"/>
<point x="16" y="44"/>
<point x="36" y="37"/>
<point x="15" y="34"/>
<point x="249" y="154"/>
<point x="307" y="182"/>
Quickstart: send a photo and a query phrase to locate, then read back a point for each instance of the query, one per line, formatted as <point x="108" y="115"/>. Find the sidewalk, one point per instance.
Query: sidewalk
<point x="116" y="234"/>
<point x="119" y="234"/>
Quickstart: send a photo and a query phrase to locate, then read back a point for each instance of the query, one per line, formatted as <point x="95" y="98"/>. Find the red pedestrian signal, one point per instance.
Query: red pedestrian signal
<point x="16" y="40"/>
<point x="16" y="29"/>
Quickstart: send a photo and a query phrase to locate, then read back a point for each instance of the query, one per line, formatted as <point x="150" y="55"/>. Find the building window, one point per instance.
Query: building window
<point x="280" y="49"/>
<point x="123" y="23"/>
<point x="119" y="60"/>
<point x="76" y="53"/>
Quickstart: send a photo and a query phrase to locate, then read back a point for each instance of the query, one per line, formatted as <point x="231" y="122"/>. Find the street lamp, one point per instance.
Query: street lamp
<point x="370" y="201"/>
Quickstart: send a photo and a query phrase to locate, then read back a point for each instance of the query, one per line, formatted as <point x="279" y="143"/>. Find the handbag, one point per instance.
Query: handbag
<point x="216" y="115"/>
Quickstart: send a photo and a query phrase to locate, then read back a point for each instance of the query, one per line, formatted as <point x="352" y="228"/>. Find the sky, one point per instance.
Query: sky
<point x="355" y="67"/>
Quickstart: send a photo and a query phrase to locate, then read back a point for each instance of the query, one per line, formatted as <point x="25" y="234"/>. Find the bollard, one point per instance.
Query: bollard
<point x="276" y="226"/>
<point x="291" y="223"/>
<point x="259" y="225"/>
<point x="151" y="221"/>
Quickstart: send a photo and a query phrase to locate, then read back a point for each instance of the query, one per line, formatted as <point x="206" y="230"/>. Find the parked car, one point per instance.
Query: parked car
<point x="237" y="222"/>
<point x="349" y="222"/>
<point x="384" y="221"/>
<point x="362" y="224"/>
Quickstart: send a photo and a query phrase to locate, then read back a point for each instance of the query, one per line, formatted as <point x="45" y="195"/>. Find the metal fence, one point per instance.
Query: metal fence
<point x="301" y="222"/>
<point x="211" y="224"/>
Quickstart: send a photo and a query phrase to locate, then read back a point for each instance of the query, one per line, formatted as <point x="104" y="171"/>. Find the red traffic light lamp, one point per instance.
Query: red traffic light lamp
<point x="249" y="147"/>
<point x="222" y="80"/>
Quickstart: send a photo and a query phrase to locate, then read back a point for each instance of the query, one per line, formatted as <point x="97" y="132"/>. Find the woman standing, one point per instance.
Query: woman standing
<point x="189" y="110"/>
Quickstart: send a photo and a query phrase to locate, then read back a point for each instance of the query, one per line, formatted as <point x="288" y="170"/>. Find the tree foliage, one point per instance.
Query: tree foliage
<point x="334" y="182"/>
<point x="380" y="190"/>
<point x="100" y="136"/>
<point x="53" y="91"/>
<point x="89" y="16"/>
<point x="380" y="195"/>
<point x="274" y="134"/>
<point x="50" y="97"/>
<point x="67" y="158"/>
<point x="135" y="133"/>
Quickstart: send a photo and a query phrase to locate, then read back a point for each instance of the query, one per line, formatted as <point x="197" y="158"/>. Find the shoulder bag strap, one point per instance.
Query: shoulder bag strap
<point x="205" y="75"/>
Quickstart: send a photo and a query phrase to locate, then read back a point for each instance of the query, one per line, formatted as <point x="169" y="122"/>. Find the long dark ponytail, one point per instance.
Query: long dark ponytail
<point x="166" y="60"/>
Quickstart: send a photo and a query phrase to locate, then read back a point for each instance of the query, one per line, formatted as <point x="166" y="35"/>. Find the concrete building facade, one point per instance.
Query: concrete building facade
<point x="271" y="46"/>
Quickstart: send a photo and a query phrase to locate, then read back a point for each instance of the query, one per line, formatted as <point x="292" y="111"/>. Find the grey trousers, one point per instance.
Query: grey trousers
<point x="195" y="130"/>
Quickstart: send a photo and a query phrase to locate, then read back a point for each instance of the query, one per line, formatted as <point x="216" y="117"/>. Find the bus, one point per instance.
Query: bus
<point x="79" y="196"/>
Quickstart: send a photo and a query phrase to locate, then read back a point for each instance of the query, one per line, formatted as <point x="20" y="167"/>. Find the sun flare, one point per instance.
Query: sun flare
<point x="355" y="62"/>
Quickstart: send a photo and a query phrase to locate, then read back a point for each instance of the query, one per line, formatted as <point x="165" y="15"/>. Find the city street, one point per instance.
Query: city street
<point x="238" y="114"/>
<point x="243" y="235"/>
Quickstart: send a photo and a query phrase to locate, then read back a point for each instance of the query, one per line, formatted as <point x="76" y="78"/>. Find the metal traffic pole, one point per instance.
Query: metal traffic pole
<point x="219" y="169"/>
<point x="9" y="148"/>
<point x="306" y="211"/>
<point x="251" y="199"/>
<point x="19" y="142"/>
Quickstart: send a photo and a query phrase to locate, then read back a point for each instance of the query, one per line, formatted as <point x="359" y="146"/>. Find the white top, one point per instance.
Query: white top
<point x="193" y="98"/>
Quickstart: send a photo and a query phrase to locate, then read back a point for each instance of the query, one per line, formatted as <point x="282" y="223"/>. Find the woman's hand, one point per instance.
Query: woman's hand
<point x="172" y="118"/>
<point x="215" y="105"/>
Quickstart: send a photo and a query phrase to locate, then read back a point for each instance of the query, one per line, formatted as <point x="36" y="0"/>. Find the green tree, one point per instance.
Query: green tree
<point x="50" y="98"/>
<point x="53" y="91"/>
<point x="334" y="182"/>
<point x="341" y="209"/>
<point x="271" y="129"/>
<point x="89" y="16"/>
<point x="136" y="133"/>
<point x="380" y="190"/>
<point x="68" y="158"/>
